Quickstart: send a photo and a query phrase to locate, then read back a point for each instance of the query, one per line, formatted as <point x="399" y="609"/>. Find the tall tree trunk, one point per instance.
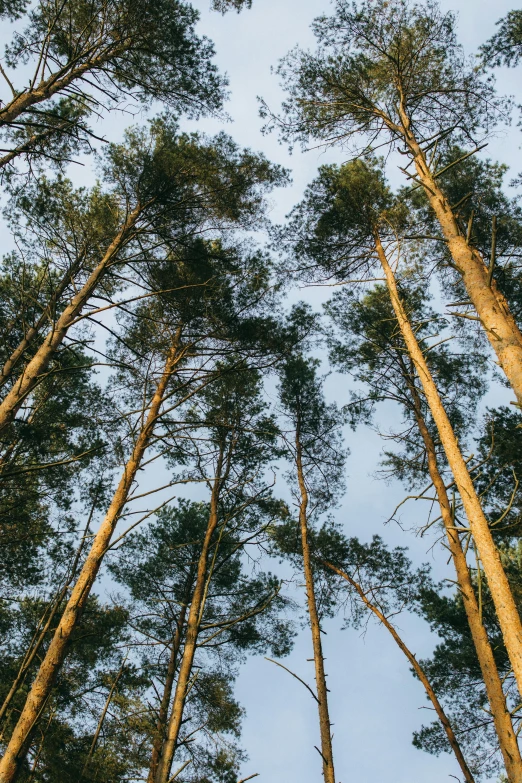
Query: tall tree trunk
<point x="320" y="677"/>
<point x="191" y="637"/>
<point x="44" y="680"/>
<point x="32" y="373"/>
<point x="491" y="305"/>
<point x="418" y="670"/>
<point x="501" y="717"/>
<point x="161" y="725"/>
<point x="501" y="594"/>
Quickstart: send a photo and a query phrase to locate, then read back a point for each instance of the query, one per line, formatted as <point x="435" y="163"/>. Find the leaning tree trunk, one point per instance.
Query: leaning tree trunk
<point x="320" y="677"/>
<point x="501" y="716"/>
<point x="491" y="305"/>
<point x="501" y="594"/>
<point x="37" y="366"/>
<point x="419" y="671"/>
<point x="52" y="662"/>
<point x="191" y="637"/>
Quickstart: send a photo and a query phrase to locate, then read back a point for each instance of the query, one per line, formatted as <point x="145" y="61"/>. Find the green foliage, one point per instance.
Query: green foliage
<point x="243" y="613"/>
<point x="332" y="231"/>
<point x="69" y="721"/>
<point x="374" y="58"/>
<point x="505" y="47"/>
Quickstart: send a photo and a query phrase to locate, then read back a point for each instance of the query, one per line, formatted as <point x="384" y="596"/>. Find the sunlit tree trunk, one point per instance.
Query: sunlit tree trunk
<point x="161" y="725"/>
<point x="491" y="305"/>
<point x="52" y="662"/>
<point x="501" y="717"/>
<point x="500" y="590"/>
<point x="320" y="677"/>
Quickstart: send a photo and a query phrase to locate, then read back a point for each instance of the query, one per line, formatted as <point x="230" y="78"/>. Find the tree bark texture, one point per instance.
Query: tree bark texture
<point x="161" y="726"/>
<point x="501" y="717"/>
<point x="501" y="594"/>
<point x="491" y="305"/>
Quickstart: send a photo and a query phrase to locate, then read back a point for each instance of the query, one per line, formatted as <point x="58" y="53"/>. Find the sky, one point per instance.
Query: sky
<point x="375" y="703"/>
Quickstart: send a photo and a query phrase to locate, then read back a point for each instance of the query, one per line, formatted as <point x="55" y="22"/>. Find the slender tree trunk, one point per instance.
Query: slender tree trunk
<point x="32" y="373"/>
<point x="320" y="677"/>
<point x="191" y="636"/>
<point x="418" y="670"/>
<point x="501" y="594"/>
<point x="491" y="305"/>
<point x="497" y="701"/>
<point x="44" y="680"/>
<point x="161" y="725"/>
<point x="103" y="716"/>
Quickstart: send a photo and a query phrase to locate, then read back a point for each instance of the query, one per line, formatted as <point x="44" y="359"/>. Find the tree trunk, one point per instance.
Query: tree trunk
<point x="320" y="677"/>
<point x="497" y="701"/>
<point x="418" y="670"/>
<point x="161" y="726"/>
<point x="191" y="638"/>
<point x="32" y="373"/>
<point x="501" y="594"/>
<point x="44" y="680"/>
<point x="491" y="305"/>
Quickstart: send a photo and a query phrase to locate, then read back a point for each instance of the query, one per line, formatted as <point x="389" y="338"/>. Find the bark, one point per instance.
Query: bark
<point x="191" y="637"/>
<point x="44" y="680"/>
<point x="320" y="677"/>
<point x="501" y="594"/>
<point x="161" y="725"/>
<point x="418" y="670"/>
<point x="491" y="305"/>
<point x="501" y="717"/>
<point x="34" y="370"/>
